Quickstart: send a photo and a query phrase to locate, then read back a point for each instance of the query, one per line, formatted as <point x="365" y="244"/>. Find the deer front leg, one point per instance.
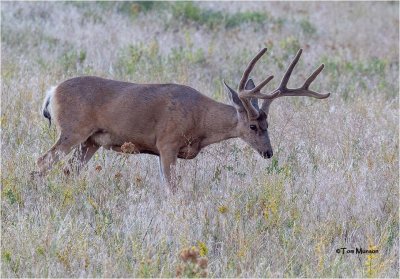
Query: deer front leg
<point x="160" y="168"/>
<point x="168" y="158"/>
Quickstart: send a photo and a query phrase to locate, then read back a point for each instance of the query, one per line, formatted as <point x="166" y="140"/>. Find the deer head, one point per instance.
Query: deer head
<point x="253" y="124"/>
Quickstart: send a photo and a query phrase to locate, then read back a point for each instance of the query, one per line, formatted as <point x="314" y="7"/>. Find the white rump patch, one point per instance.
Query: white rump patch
<point x="49" y="96"/>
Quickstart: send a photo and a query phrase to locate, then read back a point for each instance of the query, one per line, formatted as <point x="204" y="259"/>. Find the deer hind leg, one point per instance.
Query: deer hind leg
<point x="61" y="148"/>
<point x="82" y="154"/>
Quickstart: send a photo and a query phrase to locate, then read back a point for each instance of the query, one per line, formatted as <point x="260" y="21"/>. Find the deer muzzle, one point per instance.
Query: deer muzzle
<point x="267" y="154"/>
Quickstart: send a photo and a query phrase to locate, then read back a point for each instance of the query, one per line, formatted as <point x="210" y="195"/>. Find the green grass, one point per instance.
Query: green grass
<point x="191" y="12"/>
<point x="240" y="18"/>
<point x="72" y="59"/>
<point x="134" y="8"/>
<point x="307" y="27"/>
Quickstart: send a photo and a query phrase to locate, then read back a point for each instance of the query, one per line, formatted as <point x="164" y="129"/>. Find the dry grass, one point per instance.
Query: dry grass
<point x="333" y="181"/>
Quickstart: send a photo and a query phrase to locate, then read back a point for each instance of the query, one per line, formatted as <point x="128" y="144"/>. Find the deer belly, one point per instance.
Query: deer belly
<point x="102" y="139"/>
<point x="112" y="142"/>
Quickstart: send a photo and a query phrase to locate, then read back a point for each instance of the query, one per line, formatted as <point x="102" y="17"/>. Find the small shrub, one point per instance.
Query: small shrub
<point x="203" y="250"/>
<point x="133" y="8"/>
<point x="192" y="266"/>
<point x="272" y="200"/>
<point x="307" y="27"/>
<point x="188" y="11"/>
<point x="6" y="256"/>
<point x="274" y="168"/>
<point x="223" y="209"/>
<point x="146" y="268"/>
<point x="278" y="24"/>
<point x="185" y="55"/>
<point x="245" y="17"/>
<point x="72" y="59"/>
<point x="291" y="45"/>
<point x="11" y="191"/>
<point x="132" y="58"/>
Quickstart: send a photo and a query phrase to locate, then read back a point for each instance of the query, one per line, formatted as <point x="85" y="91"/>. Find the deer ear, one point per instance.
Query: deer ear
<point x="233" y="96"/>
<point x="250" y="85"/>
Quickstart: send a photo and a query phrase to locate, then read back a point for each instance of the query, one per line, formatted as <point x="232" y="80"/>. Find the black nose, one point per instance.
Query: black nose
<point x="267" y="154"/>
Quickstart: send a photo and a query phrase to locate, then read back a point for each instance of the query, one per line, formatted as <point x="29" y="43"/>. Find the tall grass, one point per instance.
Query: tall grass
<point x="332" y="183"/>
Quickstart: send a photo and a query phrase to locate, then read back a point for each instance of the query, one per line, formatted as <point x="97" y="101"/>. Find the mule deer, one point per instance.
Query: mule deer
<point x="168" y="120"/>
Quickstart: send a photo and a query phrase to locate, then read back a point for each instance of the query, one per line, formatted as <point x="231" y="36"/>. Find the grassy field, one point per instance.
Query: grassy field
<point x="333" y="181"/>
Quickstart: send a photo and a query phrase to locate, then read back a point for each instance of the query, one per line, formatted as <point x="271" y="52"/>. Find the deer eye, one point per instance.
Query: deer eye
<point x="253" y="127"/>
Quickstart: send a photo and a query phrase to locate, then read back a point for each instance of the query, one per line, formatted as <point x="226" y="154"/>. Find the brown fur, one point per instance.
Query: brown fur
<point x="168" y="120"/>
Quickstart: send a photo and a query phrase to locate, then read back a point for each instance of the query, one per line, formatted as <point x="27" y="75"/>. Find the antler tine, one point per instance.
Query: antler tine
<point x="249" y="68"/>
<point x="313" y="76"/>
<point x="261" y="85"/>
<point x="282" y="90"/>
<point x="255" y="92"/>
<point x="308" y="82"/>
<point x="289" y="71"/>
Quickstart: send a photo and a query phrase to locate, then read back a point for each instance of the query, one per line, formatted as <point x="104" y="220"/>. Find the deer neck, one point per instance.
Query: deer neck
<point x="220" y="123"/>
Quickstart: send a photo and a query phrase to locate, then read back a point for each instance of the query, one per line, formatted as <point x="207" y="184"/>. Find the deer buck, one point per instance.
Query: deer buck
<point x="168" y="120"/>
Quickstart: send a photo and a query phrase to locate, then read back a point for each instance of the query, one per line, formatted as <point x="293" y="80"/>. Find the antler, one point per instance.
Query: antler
<point x="245" y="94"/>
<point x="247" y="72"/>
<point x="282" y="89"/>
